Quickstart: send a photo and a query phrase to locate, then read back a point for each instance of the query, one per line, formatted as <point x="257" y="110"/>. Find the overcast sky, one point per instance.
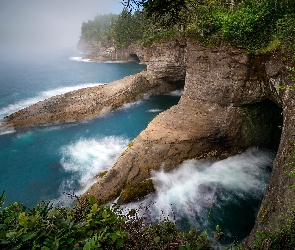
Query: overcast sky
<point x="48" y="23"/>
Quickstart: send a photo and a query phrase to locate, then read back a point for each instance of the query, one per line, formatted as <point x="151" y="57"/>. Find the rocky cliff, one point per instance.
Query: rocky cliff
<point x="90" y="102"/>
<point x="277" y="208"/>
<point x="231" y="101"/>
<point x="225" y="108"/>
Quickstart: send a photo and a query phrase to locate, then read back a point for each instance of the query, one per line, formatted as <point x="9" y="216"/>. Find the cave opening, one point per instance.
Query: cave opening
<point x="222" y="191"/>
<point x="133" y="58"/>
<point x="263" y="123"/>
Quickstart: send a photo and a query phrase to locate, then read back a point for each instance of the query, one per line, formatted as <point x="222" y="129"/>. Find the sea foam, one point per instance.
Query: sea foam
<point x="40" y="97"/>
<point x="155" y="110"/>
<point x="6" y="129"/>
<point x="86" y="158"/>
<point x="79" y="59"/>
<point x="178" y="92"/>
<point x="130" y="105"/>
<point x="191" y="190"/>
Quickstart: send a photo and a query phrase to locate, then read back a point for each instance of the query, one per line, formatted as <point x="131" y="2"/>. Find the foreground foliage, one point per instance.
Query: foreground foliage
<point x="90" y="226"/>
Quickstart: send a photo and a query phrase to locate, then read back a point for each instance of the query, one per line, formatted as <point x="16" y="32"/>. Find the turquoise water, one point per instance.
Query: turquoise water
<point x="209" y="193"/>
<point x="44" y="163"/>
<point x="41" y="163"/>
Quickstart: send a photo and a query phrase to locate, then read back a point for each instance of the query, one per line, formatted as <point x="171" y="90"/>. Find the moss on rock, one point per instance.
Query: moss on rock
<point x="100" y="175"/>
<point x="132" y="192"/>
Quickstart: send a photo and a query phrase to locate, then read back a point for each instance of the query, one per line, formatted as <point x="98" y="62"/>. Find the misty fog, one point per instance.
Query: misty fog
<point x="42" y="25"/>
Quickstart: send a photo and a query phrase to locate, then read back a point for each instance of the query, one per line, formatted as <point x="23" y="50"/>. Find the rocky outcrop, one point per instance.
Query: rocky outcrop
<point x="90" y="102"/>
<point x="166" y="61"/>
<point x="231" y="101"/>
<point x="227" y="106"/>
<point x="86" y="103"/>
<point x="95" y="51"/>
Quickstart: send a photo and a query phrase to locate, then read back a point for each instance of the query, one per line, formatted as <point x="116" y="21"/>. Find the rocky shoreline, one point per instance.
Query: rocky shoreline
<point x="86" y="103"/>
<point x="219" y="114"/>
<point x="90" y="102"/>
<point x="231" y="101"/>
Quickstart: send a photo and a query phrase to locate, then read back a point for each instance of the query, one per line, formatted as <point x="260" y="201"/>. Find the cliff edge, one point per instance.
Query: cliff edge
<point x="225" y="108"/>
<point x="231" y="101"/>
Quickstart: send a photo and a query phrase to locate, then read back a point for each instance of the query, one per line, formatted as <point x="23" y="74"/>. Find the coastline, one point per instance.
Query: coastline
<point x="231" y="101"/>
<point x="85" y="103"/>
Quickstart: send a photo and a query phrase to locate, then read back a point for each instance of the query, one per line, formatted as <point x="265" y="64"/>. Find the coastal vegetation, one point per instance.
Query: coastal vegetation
<point x="91" y="226"/>
<point x="98" y="29"/>
<point x="257" y="26"/>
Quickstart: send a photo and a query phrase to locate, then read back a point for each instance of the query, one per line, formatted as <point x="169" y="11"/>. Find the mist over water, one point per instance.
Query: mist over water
<point x="209" y="193"/>
<point x="36" y="26"/>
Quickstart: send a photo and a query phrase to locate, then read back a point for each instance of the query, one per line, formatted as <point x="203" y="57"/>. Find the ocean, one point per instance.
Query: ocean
<point x="47" y="162"/>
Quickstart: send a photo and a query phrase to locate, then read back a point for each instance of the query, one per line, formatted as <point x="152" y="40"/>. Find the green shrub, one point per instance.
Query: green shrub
<point x="161" y="36"/>
<point x="256" y="26"/>
<point x="90" y="226"/>
<point x="286" y="34"/>
<point x="86" y="226"/>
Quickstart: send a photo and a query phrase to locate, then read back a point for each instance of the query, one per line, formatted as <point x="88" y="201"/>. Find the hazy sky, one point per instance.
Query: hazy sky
<point x="48" y="23"/>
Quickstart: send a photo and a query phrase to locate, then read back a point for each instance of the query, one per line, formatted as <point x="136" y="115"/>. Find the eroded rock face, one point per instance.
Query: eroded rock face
<point x="231" y="101"/>
<point x="224" y="109"/>
<point x="166" y="61"/>
<point x="278" y="202"/>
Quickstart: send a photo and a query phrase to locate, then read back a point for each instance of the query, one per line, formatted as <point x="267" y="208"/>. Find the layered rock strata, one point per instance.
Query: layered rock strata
<point x="226" y="107"/>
